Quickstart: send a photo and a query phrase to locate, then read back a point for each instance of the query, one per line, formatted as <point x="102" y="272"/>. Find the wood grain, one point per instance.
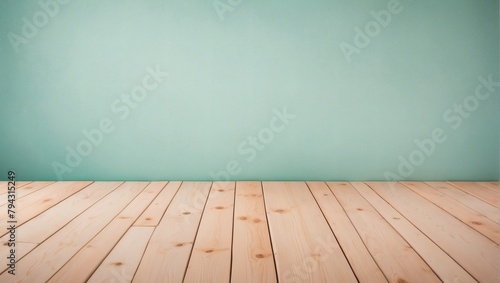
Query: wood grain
<point x="211" y="256"/>
<point x="47" y="258"/>
<point x="23" y="189"/>
<point x="167" y="254"/>
<point x="486" y="209"/>
<point x="481" y="192"/>
<point x="44" y="225"/>
<point x="453" y="236"/>
<point x="491" y="185"/>
<point x="251" y="231"/>
<point x="253" y="259"/>
<point x="154" y="212"/>
<point x="95" y="250"/>
<point x="304" y="247"/>
<point x="440" y="262"/>
<point x="360" y="259"/>
<point x="120" y="265"/>
<point x="467" y="215"/>
<point x="41" y="200"/>
<point x="396" y="258"/>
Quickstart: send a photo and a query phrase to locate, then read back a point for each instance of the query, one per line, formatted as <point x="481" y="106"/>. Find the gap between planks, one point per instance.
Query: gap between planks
<point x="257" y="231"/>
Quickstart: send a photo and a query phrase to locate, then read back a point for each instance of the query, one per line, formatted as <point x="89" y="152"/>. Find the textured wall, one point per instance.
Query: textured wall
<point x="336" y="90"/>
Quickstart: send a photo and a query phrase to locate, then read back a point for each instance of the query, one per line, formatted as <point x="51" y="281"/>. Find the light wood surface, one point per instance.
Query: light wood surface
<point x="211" y="255"/>
<point x="120" y="265"/>
<point x="167" y="254"/>
<point x="453" y="236"/>
<point x="305" y="249"/>
<point x="486" y="209"/>
<point x="48" y="257"/>
<point x="46" y="224"/>
<point x="154" y="212"/>
<point x="481" y="192"/>
<point x="467" y="215"/>
<point x="96" y="249"/>
<point x="397" y="259"/>
<point x="253" y="259"/>
<point x="362" y="262"/>
<point x="443" y="265"/>
<point x="490" y="185"/>
<point x="23" y="189"/>
<point x="254" y="232"/>
<point x="41" y="200"/>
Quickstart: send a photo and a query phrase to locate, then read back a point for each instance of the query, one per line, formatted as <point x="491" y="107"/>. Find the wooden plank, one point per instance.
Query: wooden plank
<point x="47" y="258"/>
<point x="44" y="225"/>
<point x="363" y="264"/>
<point x="153" y="214"/>
<point x="21" y="250"/>
<point x="474" y="252"/>
<point x="253" y="259"/>
<point x="395" y="257"/>
<point x="168" y="251"/>
<point x="440" y="262"/>
<point x="74" y="240"/>
<point x="121" y="264"/>
<point x="479" y="191"/>
<point x="467" y="215"/>
<point x="305" y="248"/>
<point x="210" y="259"/>
<point x="494" y="186"/>
<point x="95" y="251"/>
<point x="50" y="221"/>
<point x="25" y="190"/>
<point x="488" y="210"/>
<point x="41" y="200"/>
<point x="19" y="184"/>
<point x="4" y="188"/>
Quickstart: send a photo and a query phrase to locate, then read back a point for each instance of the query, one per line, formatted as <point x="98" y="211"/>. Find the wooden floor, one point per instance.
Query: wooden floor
<point x="254" y="232"/>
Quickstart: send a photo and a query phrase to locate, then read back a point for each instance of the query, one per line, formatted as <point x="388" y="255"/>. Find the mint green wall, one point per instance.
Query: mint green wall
<point x="356" y="103"/>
